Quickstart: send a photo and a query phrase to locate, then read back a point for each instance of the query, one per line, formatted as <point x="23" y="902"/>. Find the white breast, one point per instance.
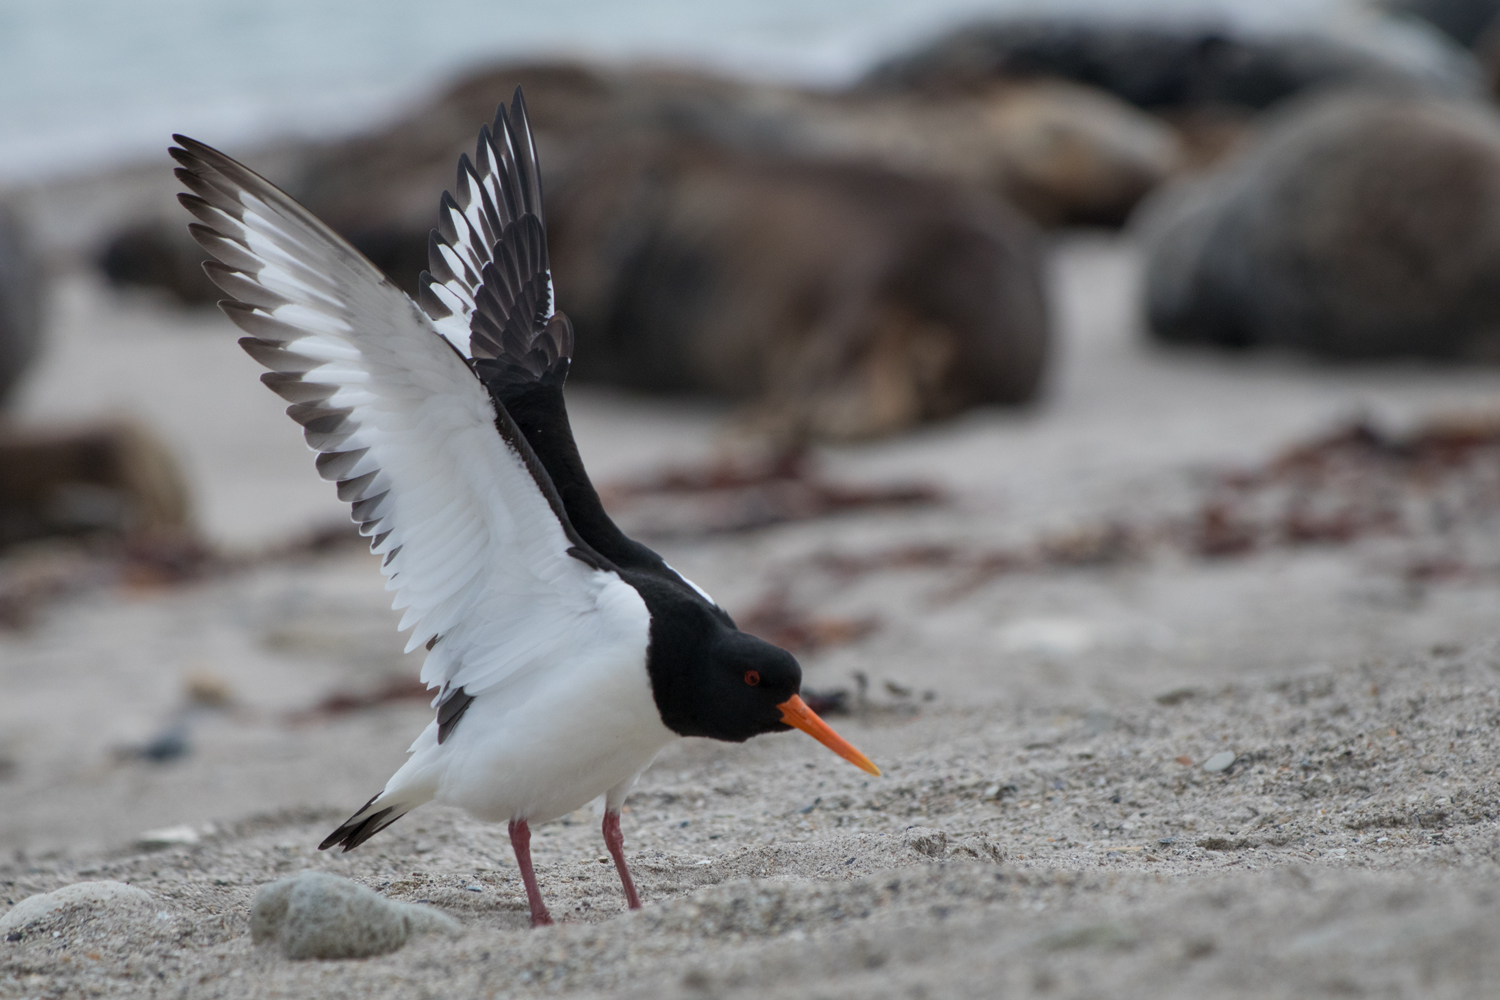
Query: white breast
<point x="549" y="742"/>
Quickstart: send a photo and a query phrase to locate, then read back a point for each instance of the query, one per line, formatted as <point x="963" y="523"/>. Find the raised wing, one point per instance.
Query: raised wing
<point x="477" y="547"/>
<point x="489" y="291"/>
<point x="489" y="287"/>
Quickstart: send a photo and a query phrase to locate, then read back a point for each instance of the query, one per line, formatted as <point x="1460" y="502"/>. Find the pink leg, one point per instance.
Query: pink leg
<point x="520" y="841"/>
<point x="615" y="841"/>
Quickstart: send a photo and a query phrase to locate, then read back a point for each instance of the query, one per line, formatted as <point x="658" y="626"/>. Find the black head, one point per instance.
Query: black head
<point x="742" y="684"/>
<point x="710" y="679"/>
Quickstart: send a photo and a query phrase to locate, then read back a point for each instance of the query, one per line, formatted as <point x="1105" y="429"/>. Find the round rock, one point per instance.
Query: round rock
<point x="1359" y="226"/>
<point x="90" y="895"/>
<point x="317" y="915"/>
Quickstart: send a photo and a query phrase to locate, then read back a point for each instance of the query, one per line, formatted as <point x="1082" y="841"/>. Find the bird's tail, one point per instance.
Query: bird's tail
<point x="374" y="816"/>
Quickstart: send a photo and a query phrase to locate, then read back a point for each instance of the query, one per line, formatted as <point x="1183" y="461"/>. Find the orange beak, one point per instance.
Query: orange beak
<point x="794" y="712"/>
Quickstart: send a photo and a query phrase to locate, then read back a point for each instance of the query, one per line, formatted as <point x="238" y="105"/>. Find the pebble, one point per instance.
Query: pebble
<point x="86" y="894"/>
<point x="168" y="836"/>
<point x="203" y="687"/>
<point x="317" y="915"/>
<point x="1219" y="761"/>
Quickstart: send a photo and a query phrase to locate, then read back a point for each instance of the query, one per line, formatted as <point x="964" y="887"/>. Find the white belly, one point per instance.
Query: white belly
<point x="540" y="747"/>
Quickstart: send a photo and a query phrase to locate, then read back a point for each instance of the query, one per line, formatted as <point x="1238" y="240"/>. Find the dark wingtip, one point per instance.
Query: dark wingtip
<point x="351" y="833"/>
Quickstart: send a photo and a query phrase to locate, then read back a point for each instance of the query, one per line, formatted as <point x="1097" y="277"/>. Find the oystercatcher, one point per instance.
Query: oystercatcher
<point x="565" y="655"/>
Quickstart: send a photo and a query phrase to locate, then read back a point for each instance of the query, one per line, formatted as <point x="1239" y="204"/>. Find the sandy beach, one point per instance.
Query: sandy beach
<point x="1046" y="666"/>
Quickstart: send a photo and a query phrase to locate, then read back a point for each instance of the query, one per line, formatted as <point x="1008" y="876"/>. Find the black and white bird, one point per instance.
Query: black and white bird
<point x="565" y="656"/>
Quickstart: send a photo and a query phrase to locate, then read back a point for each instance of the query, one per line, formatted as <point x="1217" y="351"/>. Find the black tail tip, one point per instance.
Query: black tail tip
<point x="359" y="828"/>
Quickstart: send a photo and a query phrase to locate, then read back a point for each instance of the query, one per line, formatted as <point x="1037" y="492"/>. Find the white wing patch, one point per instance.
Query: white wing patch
<point x="701" y="592"/>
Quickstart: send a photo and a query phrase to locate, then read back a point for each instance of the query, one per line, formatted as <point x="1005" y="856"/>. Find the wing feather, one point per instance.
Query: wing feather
<point x="477" y="548"/>
<point x="488" y="288"/>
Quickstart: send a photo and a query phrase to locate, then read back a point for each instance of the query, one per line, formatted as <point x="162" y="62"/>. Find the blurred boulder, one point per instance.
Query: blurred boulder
<point x="833" y="259"/>
<point x="1063" y="154"/>
<point x="1358" y="226"/>
<point x="159" y="254"/>
<point x="839" y="300"/>
<point x="756" y="242"/>
<point x="110" y="478"/>
<point x="22" y="287"/>
<point x="1472" y="24"/>
<point x="1157" y="66"/>
<point x="1464" y="21"/>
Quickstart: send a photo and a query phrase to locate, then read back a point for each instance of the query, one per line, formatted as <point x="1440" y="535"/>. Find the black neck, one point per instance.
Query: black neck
<point x="541" y="415"/>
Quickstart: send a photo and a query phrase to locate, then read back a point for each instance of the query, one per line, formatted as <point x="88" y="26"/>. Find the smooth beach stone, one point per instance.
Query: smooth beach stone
<point x="317" y="915"/>
<point x="81" y="894"/>
<point x="1219" y="761"/>
<point x="1358" y="226"/>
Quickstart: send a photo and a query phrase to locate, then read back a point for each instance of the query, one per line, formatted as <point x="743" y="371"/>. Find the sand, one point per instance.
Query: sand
<point x="1045" y="826"/>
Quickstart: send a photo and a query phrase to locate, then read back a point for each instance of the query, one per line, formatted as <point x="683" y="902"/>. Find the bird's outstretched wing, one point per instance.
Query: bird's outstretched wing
<point x="478" y="548"/>
<point x="489" y="287"/>
<point x="489" y="291"/>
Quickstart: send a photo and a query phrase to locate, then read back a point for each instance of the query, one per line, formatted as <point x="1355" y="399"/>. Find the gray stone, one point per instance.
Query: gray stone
<point x="317" y="915"/>
<point x="1219" y="761"/>
<point x="1358" y="226"/>
<point x="168" y="836"/>
<point x="91" y="895"/>
<point x="1165" y="65"/>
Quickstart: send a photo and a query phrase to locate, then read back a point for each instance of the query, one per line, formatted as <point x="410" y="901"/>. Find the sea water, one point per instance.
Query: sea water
<point x="84" y="83"/>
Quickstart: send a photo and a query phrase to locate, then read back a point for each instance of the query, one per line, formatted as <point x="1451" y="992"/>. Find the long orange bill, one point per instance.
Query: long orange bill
<point x="794" y="712"/>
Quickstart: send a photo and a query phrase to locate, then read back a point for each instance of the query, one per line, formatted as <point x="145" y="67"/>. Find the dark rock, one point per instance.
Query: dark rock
<point x="159" y="254"/>
<point x="1464" y="21"/>
<point x="1063" y="154"/>
<point x="22" y="286"/>
<point x="111" y="478"/>
<point x="841" y="301"/>
<point x="715" y="236"/>
<point x="1358" y="226"/>
<point x="1157" y="66"/>
<point x="381" y="190"/>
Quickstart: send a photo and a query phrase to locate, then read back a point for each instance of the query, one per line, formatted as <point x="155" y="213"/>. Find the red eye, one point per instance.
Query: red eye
<point x="752" y="677"/>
